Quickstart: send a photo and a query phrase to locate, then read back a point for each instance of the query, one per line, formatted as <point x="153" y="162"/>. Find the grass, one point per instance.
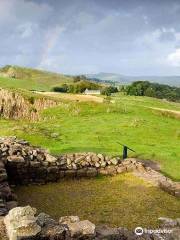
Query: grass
<point x="81" y="126"/>
<point x="32" y="79"/>
<point x="91" y="126"/>
<point x="95" y="126"/>
<point x="123" y="200"/>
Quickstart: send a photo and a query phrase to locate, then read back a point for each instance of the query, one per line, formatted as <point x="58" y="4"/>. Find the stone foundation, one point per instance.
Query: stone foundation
<point x="21" y="163"/>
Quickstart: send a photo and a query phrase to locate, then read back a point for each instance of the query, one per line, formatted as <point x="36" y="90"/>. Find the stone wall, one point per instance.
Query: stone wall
<point x="22" y="163"/>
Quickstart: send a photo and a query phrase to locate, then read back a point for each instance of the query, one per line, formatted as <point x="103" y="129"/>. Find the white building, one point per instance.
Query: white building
<point x="92" y="92"/>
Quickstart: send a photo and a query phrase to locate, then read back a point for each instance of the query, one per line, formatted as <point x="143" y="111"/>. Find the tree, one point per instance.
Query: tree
<point x="108" y="90"/>
<point x="77" y="79"/>
<point x="145" y="88"/>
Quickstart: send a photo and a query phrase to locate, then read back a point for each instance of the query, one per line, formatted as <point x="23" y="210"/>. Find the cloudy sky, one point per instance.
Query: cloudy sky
<point x="132" y="37"/>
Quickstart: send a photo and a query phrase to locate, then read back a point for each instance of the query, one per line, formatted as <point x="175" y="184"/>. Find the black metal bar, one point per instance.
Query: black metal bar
<point x="125" y="150"/>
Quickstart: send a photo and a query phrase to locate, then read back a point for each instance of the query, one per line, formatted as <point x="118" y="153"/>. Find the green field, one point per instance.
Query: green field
<point x="32" y="79"/>
<point x="89" y="126"/>
<point x="76" y="126"/>
<point x="123" y="200"/>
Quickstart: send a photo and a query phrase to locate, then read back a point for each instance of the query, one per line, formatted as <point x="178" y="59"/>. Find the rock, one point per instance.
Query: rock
<point x="97" y="165"/>
<point x="74" y="166"/>
<point x="82" y="172"/>
<point x="103" y="164"/>
<point x="176" y="187"/>
<point x="166" y="186"/>
<point x="130" y="168"/>
<point x="40" y="157"/>
<point x="178" y="221"/>
<point x="92" y="172"/>
<point x="2" y="229"/>
<point x="69" y="161"/>
<point x="52" y="174"/>
<point x="81" y="228"/>
<point x="3" y="176"/>
<point x="114" y="161"/>
<point x="175" y="235"/>
<point x="21" y="222"/>
<point x="103" y="171"/>
<point x="44" y="219"/>
<point x="53" y="232"/>
<point x="126" y="161"/>
<point x="140" y="167"/>
<point x="121" y="169"/>
<point x="111" y="170"/>
<point x="168" y="222"/>
<point x="11" y="204"/>
<point x="69" y="219"/>
<point x="70" y="173"/>
<point x="3" y="211"/>
<point x="105" y="232"/>
<point x="50" y="158"/>
<point x="15" y="158"/>
<point x="35" y="164"/>
<point x="94" y="158"/>
<point x="101" y="157"/>
<point x="79" y="159"/>
<point x="88" y="158"/>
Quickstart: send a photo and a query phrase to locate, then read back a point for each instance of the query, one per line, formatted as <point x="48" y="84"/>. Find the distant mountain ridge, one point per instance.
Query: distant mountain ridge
<point x="123" y="79"/>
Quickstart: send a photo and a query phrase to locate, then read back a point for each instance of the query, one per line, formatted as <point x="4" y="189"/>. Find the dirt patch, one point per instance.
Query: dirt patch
<point x="167" y="112"/>
<point x="149" y="163"/>
<point x="74" y="97"/>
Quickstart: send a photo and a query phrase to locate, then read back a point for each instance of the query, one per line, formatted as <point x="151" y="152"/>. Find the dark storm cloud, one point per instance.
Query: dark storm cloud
<point x="77" y="36"/>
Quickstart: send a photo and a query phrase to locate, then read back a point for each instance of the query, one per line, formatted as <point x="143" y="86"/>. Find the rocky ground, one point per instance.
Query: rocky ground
<point x="22" y="223"/>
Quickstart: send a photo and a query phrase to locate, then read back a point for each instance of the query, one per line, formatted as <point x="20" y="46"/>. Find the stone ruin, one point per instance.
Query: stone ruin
<point x="21" y="163"/>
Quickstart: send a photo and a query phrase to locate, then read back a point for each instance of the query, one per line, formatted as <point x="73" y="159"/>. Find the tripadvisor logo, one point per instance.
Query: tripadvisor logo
<point x="139" y="231"/>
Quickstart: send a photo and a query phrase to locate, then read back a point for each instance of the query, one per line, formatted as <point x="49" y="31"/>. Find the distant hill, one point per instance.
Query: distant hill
<point x="31" y="79"/>
<point x="122" y="79"/>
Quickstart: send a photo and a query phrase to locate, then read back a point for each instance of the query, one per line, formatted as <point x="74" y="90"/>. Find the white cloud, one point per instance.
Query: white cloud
<point x="174" y="58"/>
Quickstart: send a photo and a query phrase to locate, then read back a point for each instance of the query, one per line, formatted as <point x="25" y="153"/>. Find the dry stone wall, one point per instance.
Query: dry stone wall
<point x="21" y="163"/>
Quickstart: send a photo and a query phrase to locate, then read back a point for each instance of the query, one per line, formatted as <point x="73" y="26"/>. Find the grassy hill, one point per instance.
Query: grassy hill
<point x="147" y="125"/>
<point x="76" y="126"/>
<point x="30" y="79"/>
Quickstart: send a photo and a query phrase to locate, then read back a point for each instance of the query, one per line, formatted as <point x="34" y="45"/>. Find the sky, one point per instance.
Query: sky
<point x="130" y="37"/>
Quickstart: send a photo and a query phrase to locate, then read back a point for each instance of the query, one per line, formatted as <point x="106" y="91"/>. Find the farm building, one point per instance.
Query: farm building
<point x="92" y="92"/>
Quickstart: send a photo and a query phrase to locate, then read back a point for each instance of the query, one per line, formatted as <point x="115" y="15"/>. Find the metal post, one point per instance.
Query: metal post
<point x="125" y="152"/>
